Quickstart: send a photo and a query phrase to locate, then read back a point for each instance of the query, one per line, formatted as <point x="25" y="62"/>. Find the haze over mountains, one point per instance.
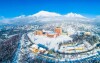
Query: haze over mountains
<point x="45" y="16"/>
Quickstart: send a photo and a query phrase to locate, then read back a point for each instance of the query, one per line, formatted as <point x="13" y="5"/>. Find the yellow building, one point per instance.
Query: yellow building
<point x="87" y="33"/>
<point x="80" y="48"/>
<point x="34" y="48"/>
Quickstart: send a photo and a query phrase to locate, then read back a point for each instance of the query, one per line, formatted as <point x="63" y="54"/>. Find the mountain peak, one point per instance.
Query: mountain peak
<point x="74" y="15"/>
<point x="46" y="14"/>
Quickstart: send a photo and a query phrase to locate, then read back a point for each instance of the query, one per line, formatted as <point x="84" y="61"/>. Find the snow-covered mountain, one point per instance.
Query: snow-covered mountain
<point x="52" y="16"/>
<point x="45" y="16"/>
<point x="74" y="15"/>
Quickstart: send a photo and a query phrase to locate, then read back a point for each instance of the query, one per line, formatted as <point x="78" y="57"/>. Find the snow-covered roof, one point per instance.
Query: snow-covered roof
<point x="41" y="49"/>
<point x="34" y="46"/>
<point x="50" y="32"/>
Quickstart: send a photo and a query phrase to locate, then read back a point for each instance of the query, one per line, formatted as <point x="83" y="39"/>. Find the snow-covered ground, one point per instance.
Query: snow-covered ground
<point x="81" y="56"/>
<point x="49" y="42"/>
<point x="25" y="55"/>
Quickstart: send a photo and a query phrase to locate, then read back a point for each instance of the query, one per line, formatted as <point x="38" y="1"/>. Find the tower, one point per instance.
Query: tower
<point x="58" y="30"/>
<point x="38" y="32"/>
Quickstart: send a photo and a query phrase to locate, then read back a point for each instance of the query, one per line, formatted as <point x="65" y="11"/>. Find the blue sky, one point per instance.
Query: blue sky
<point x="13" y="8"/>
